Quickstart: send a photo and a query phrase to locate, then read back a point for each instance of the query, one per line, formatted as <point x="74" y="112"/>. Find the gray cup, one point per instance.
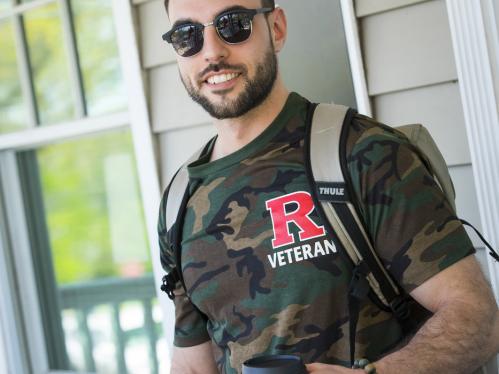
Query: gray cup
<point x="274" y="364"/>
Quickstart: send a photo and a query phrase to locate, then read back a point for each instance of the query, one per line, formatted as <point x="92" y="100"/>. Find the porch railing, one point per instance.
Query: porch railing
<point x="83" y="298"/>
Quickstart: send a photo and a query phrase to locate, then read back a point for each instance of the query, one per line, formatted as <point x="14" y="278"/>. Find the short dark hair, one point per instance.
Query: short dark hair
<point x="265" y="4"/>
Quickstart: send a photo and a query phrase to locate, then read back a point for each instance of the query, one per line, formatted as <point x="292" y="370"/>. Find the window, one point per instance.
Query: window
<point x="74" y="193"/>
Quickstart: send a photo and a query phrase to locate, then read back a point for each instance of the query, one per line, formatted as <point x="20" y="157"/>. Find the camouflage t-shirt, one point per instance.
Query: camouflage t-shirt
<point x="264" y="277"/>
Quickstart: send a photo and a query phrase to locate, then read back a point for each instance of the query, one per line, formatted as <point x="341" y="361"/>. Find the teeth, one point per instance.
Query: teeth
<point x="217" y="79"/>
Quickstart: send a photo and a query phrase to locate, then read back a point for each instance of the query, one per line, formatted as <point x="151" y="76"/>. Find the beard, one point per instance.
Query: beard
<point x="255" y="89"/>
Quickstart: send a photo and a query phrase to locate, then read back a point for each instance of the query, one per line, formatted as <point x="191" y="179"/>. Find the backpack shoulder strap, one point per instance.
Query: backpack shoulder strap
<point x="177" y="196"/>
<point x="176" y="191"/>
<point x="327" y="123"/>
<point x="336" y="200"/>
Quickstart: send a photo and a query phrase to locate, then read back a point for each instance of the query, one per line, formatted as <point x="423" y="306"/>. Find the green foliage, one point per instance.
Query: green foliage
<point x="99" y="59"/>
<point x="12" y="117"/>
<point x="49" y="64"/>
<point x="75" y="197"/>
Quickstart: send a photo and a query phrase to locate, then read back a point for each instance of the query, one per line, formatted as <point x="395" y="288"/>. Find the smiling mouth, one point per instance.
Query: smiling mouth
<point x="221" y="78"/>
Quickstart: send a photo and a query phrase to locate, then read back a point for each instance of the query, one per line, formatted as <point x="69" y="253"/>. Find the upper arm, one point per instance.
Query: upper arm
<point x="411" y="223"/>
<point x="462" y="282"/>
<point x="462" y="287"/>
<point x="197" y="359"/>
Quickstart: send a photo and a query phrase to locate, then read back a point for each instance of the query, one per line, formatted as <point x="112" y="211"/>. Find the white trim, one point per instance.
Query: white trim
<point x="480" y="111"/>
<point x="143" y="144"/>
<point x="491" y="27"/>
<point x="23" y="264"/>
<point x="355" y="55"/>
<point x="11" y="357"/>
<point x="3" y="353"/>
<point x="22" y="8"/>
<point x="46" y="135"/>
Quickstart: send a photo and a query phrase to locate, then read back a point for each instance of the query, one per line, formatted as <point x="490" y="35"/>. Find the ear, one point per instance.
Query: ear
<point x="279" y="28"/>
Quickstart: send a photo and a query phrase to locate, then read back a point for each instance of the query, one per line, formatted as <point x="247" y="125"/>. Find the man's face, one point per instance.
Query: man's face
<point x="226" y="80"/>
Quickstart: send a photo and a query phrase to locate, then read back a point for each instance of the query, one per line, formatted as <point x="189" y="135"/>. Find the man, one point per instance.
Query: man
<point x="242" y="300"/>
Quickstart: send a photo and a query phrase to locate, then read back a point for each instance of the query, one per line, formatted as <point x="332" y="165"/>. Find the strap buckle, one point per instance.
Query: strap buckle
<point x="169" y="283"/>
<point x="359" y="285"/>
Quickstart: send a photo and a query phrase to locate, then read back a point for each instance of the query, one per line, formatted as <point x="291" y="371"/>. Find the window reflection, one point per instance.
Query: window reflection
<point x="12" y="111"/>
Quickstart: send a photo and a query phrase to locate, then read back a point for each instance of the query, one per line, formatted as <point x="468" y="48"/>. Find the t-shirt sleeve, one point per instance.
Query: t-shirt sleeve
<point x="414" y="229"/>
<point x="190" y="323"/>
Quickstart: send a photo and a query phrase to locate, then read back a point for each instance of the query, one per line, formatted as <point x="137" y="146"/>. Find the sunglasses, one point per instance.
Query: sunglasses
<point x="233" y="27"/>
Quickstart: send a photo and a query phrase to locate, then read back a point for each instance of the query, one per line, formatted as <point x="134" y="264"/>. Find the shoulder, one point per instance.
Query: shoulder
<point x="364" y="132"/>
<point x="373" y="147"/>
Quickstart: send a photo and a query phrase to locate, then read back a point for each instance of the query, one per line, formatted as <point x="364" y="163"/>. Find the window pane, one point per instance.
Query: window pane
<point x="98" y="52"/>
<point x="49" y="64"/>
<point x="12" y="111"/>
<point x="93" y="208"/>
<point x="100" y="294"/>
<point x="4" y="4"/>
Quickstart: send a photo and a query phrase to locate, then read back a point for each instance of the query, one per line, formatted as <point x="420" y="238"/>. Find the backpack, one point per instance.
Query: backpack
<point x="325" y="155"/>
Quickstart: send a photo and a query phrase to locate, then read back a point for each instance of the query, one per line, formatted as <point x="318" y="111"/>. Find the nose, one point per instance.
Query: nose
<point x="214" y="48"/>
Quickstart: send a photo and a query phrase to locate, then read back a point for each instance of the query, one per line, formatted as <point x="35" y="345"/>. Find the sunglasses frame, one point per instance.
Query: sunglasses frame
<point x="250" y="12"/>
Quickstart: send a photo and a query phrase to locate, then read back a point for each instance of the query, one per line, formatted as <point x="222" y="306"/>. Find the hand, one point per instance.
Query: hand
<point x="317" y="368"/>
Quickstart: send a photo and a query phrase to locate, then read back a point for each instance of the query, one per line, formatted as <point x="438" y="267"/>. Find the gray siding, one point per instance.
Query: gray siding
<point x="153" y="24"/>
<point x="171" y="107"/>
<point x="368" y="7"/>
<point x="438" y="107"/>
<point x="176" y="145"/>
<point x="314" y="61"/>
<point x="408" y="47"/>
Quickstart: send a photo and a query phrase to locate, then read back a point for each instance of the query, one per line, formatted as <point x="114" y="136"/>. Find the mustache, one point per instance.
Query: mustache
<point x="220" y="66"/>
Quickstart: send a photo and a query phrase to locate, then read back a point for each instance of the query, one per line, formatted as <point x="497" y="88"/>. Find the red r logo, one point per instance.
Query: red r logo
<point x="300" y="216"/>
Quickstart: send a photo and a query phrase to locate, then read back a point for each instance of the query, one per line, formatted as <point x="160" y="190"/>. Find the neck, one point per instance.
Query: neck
<point x="235" y="133"/>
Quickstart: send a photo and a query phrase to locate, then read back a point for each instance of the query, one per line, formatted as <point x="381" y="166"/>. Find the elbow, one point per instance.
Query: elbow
<point x="490" y="328"/>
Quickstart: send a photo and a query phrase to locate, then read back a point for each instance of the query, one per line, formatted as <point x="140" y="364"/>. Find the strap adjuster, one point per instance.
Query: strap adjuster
<point x="169" y="283"/>
<point x="400" y="307"/>
<point x="359" y="285"/>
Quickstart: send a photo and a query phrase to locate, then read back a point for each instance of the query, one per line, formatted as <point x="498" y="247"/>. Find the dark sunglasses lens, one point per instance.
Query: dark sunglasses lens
<point x="234" y="27"/>
<point x="187" y="40"/>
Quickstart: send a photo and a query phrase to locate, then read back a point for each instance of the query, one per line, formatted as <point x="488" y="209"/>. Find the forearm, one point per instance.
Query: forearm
<point x="457" y="339"/>
<point x="193" y="360"/>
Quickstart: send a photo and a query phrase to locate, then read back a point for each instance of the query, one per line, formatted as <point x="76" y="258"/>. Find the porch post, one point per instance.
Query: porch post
<point x="476" y="67"/>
